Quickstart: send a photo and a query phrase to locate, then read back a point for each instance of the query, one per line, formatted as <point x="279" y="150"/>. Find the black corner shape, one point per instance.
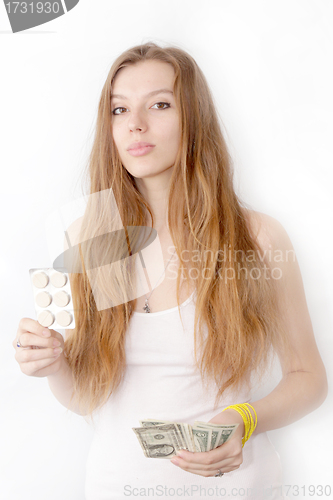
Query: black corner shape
<point x="31" y="13"/>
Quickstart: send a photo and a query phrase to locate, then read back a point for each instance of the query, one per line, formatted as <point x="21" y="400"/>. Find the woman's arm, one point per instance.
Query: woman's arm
<point x="61" y="385"/>
<point x="303" y="386"/>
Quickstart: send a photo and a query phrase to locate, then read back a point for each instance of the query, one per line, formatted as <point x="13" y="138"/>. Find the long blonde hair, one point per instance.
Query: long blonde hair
<point x="236" y="320"/>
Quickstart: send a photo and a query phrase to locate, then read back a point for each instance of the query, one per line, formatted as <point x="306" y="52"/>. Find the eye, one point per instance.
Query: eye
<point x="167" y="104"/>
<point x="114" y="111"/>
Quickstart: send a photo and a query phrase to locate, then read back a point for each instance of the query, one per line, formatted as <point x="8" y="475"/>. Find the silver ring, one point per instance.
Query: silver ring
<point x="219" y="473"/>
<point x="20" y="345"/>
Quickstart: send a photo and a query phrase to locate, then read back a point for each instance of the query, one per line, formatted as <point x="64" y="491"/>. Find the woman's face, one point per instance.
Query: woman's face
<point x="145" y="111"/>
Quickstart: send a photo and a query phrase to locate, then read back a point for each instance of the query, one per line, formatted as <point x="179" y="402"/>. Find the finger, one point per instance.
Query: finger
<point x="31" y="333"/>
<point x="32" y="355"/>
<point x="205" y="457"/>
<point x="31" y="326"/>
<point x="206" y="473"/>
<point x="28" y="325"/>
<point x="32" y="367"/>
<point x="31" y="340"/>
<point x="226" y="455"/>
<point x="225" y="465"/>
<point x="232" y="448"/>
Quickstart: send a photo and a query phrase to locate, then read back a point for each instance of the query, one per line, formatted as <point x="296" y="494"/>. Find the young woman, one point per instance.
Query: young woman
<point x="232" y="294"/>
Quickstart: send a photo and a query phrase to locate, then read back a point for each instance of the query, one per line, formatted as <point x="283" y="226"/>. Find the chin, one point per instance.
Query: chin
<point x="144" y="172"/>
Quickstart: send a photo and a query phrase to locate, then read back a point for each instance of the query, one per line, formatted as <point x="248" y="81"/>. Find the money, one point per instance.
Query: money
<point x="162" y="438"/>
<point x="220" y="433"/>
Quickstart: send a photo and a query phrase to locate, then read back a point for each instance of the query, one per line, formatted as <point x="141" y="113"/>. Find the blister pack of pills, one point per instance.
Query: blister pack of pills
<point x="53" y="298"/>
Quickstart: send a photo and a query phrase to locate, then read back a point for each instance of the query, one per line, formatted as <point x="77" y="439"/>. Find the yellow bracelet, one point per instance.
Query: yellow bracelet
<point x="249" y="423"/>
<point x="255" y="415"/>
<point x="247" y="419"/>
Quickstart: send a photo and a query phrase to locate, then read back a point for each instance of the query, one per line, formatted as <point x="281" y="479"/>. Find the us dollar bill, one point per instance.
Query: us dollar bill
<point x="184" y="430"/>
<point x="202" y="438"/>
<point x="220" y="433"/>
<point x="162" y="438"/>
<point x="160" y="441"/>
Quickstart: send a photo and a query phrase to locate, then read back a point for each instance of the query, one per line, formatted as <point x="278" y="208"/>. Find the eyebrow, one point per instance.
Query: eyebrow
<point x="154" y="92"/>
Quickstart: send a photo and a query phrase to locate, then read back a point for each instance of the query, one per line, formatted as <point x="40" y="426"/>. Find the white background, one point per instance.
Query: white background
<point x="269" y="65"/>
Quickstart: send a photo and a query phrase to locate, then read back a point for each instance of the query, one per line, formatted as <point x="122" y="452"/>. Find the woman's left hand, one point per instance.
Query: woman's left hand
<point x="225" y="458"/>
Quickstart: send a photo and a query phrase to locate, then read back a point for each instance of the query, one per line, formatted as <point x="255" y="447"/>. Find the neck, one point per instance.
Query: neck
<point x="156" y="193"/>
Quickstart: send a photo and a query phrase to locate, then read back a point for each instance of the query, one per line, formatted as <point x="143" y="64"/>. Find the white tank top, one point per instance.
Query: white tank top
<point x="162" y="382"/>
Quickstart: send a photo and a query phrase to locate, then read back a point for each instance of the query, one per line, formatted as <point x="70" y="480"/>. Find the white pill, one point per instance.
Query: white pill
<point x="58" y="279"/>
<point x="45" y="318"/>
<point x="61" y="299"/>
<point x="64" y="318"/>
<point x="43" y="299"/>
<point x="40" y="280"/>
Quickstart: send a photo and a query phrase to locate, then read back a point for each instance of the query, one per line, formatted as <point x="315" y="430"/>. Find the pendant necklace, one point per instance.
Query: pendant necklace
<point x="146" y="307"/>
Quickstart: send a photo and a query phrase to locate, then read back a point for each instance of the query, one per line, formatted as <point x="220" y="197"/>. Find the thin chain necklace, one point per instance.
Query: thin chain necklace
<point x="146" y="307"/>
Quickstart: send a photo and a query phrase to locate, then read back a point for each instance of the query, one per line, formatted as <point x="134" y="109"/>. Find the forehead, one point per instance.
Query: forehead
<point x="143" y="77"/>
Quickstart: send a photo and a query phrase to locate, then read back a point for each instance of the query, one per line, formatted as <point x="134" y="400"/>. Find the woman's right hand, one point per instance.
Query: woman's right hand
<point x="44" y="356"/>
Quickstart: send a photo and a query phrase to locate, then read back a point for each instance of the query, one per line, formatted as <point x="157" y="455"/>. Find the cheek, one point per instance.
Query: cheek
<point x="172" y="138"/>
<point x="114" y="133"/>
<point x="176" y="139"/>
<point x="117" y="139"/>
<point x="117" y="128"/>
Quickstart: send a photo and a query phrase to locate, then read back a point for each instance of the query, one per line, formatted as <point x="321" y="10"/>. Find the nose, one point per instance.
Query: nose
<point x="137" y="122"/>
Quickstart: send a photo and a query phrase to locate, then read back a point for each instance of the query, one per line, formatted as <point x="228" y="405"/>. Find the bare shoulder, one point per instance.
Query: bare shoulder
<point x="268" y="231"/>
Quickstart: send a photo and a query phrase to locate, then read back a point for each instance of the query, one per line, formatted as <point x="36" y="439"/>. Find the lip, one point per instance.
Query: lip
<point x="137" y="145"/>
<point x="140" y="148"/>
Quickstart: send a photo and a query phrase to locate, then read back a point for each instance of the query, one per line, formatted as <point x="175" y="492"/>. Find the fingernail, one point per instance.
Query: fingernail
<point x="180" y="454"/>
<point x="56" y="343"/>
<point x="174" y="461"/>
<point x="57" y="351"/>
<point x="46" y="333"/>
